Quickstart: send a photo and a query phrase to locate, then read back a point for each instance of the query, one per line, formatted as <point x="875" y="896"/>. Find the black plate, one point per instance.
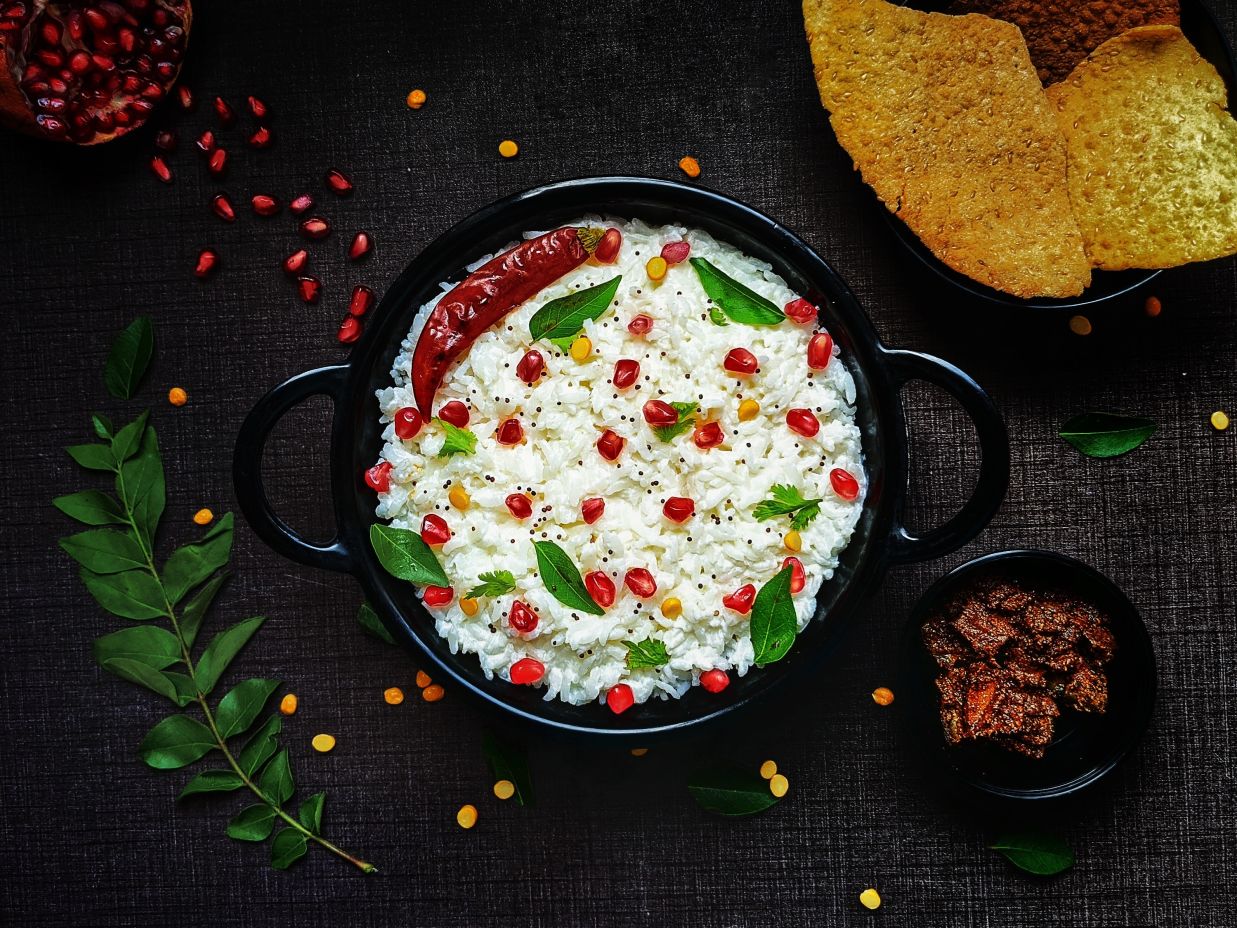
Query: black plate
<point x="1086" y="746"/>
<point x="879" y="372"/>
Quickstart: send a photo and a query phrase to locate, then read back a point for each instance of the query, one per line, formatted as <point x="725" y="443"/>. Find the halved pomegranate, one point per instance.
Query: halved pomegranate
<point x="88" y="72"/>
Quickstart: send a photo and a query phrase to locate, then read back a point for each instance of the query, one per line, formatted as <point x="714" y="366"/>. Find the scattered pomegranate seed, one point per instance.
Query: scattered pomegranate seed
<point x="378" y="477"/>
<point x="295" y="261"/>
<point x="625" y="373"/>
<point x="844" y="484"/>
<point x="801" y="311"/>
<point x="803" y="421"/>
<point x="261" y="138"/>
<point x="434" y="530"/>
<point x="338" y="182"/>
<point x="258" y="108"/>
<point x="527" y="670"/>
<point x="640" y="582"/>
<point x="315" y="227"/>
<point x="519" y="505"/>
<point x="510" y="432"/>
<point x="679" y="509"/>
<point x="741" y="599"/>
<point x="715" y="680"/>
<point x="620" y="698"/>
<point x="530" y="367"/>
<point x="184" y="96"/>
<point x="608" y="247"/>
<point x="223" y="207"/>
<point x="218" y="162"/>
<point x="265" y="205"/>
<point x="592" y="508"/>
<point x="359" y="247"/>
<point x="740" y="361"/>
<point x="610" y="445"/>
<point x="675" y="252"/>
<point x="206" y="142"/>
<point x="798" y="579"/>
<point x="657" y="413"/>
<point x="301" y="204"/>
<point x="708" y="435"/>
<point x="165" y="140"/>
<point x="437" y="595"/>
<point x="160" y="169"/>
<point x="207" y="262"/>
<point x="349" y="330"/>
<point x="522" y="618"/>
<point x="362" y="300"/>
<point x="640" y="325"/>
<point x="454" y="412"/>
<point x="819" y="351"/>
<point x="600" y="587"/>
<point x="407" y="422"/>
<point x="224" y="112"/>
<point x="309" y="288"/>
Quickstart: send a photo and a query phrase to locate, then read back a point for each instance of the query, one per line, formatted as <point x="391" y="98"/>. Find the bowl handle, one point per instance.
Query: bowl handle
<point x="247" y="469"/>
<point x="993" y="480"/>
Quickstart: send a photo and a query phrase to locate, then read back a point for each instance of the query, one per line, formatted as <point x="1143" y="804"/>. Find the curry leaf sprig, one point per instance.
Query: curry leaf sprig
<point x="786" y="500"/>
<point x="119" y="565"/>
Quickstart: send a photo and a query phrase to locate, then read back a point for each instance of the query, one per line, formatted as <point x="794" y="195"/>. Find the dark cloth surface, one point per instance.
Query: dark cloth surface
<point x="90" y="836"/>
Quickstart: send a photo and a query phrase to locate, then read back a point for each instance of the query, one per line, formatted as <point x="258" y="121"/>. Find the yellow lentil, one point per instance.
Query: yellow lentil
<point x="689" y="166"/>
<point x="459" y="497"/>
<point x="177" y="396"/>
<point x="671" y="607"/>
<point x="639" y="752"/>
<point x="1080" y="325"/>
<point x="1219" y="420"/>
<point x="581" y="348"/>
<point x="1152" y="307"/>
<point x="656" y="267"/>
<point x="882" y="696"/>
<point x="778" y="785"/>
<point x="508" y="148"/>
<point x="416" y="99"/>
<point x="870" y="899"/>
<point x="393" y="696"/>
<point x="748" y="410"/>
<point x="504" y="789"/>
<point x="323" y="743"/>
<point x="203" y="517"/>
<point x="468" y="605"/>
<point x="768" y="769"/>
<point x="467" y="816"/>
<point x="793" y="541"/>
<point x="287" y="705"/>
<point x="433" y="693"/>
<point x="423" y="679"/>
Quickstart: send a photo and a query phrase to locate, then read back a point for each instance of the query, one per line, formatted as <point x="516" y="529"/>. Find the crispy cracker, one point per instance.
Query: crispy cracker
<point x="947" y="121"/>
<point x="1061" y="33"/>
<point x="1152" y="152"/>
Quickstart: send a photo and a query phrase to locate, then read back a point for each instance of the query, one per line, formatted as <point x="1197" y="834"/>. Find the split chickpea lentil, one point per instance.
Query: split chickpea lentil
<point x="393" y="696"/>
<point x="778" y="785"/>
<point x="508" y="149"/>
<point x="689" y="166"/>
<point x="882" y="696"/>
<point x="177" y="396"/>
<point x="423" y="679"/>
<point x="1080" y="325"/>
<point x="467" y="816"/>
<point x="1219" y="420"/>
<point x="416" y="99"/>
<point x="323" y="743"/>
<point x="768" y="769"/>
<point x="203" y="517"/>
<point x="870" y="899"/>
<point x="433" y="693"/>
<point x="504" y="789"/>
<point x="287" y="705"/>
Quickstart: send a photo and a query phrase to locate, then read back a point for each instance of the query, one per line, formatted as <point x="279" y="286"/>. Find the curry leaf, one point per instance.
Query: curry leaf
<point x="102" y="426"/>
<point x="369" y="621"/>
<point x="222" y="648"/>
<point x="93" y="457"/>
<point x="141" y="488"/>
<point x="194" y="611"/>
<point x="142" y="674"/>
<point x="129" y="438"/>
<point x="130" y="594"/>
<point x="261" y="745"/>
<point x="1036" y="852"/>
<point x="193" y="564"/>
<point x="730" y="792"/>
<point x="90" y="507"/>
<point x="1103" y="435"/>
<point x="288" y="847"/>
<point x="129" y="358"/>
<point x="310" y="812"/>
<point x="404" y="554"/>
<point x="774" y="622"/>
<point x="562" y="579"/>
<point x="155" y="647"/>
<point x="738" y="302"/>
<point x="238" y="709"/>
<point x="276" y="780"/>
<point x="104" y="551"/>
<point x="212" y="781"/>
<point x="562" y="319"/>
<point x="176" y="742"/>
<point x="252" y="823"/>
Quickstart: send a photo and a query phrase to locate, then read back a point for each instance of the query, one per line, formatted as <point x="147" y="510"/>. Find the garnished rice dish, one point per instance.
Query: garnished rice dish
<point x="631" y="454"/>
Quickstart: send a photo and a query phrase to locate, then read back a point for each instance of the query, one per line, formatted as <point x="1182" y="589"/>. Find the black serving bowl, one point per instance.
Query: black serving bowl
<point x="1086" y="746"/>
<point x="1202" y="29"/>
<point x="880" y="539"/>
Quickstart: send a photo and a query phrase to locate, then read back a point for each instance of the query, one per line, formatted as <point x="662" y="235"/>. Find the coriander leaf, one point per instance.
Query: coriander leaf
<point x="212" y="781"/>
<point x="240" y="707"/>
<point x="508" y="760"/>
<point x="730" y="792"/>
<point x="222" y="648"/>
<point x="150" y="645"/>
<point x="738" y="302"/>
<point x="90" y="507"/>
<point x="130" y="594"/>
<point x="717" y="317"/>
<point x="129" y="358"/>
<point x="276" y="780"/>
<point x="311" y="812"/>
<point x="260" y="746"/>
<point x="1103" y="435"/>
<point x="457" y="441"/>
<point x="685" y="423"/>
<point x="288" y="847"/>
<point x="369" y="621"/>
<point x="562" y="344"/>
<point x="774" y="622"/>
<point x="141" y="487"/>
<point x="93" y="457"/>
<point x="803" y="518"/>
<point x="563" y="319"/>
<point x="129" y="438"/>
<point x="252" y="823"/>
<point x="194" y="611"/>
<point x="104" y="551"/>
<point x="142" y="674"/>
<point x="193" y="564"/>
<point x="1036" y="852"/>
<point x="176" y="742"/>
<point x="493" y="583"/>
<point x="562" y="579"/>
<point x="787" y="500"/>
<point x="405" y="555"/>
<point x="647" y="653"/>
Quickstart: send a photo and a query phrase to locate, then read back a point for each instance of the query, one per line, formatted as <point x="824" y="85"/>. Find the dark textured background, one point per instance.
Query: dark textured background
<point x="89" y="836"/>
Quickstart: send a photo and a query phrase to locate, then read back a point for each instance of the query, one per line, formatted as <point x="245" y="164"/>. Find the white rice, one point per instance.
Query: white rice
<point x="717" y="551"/>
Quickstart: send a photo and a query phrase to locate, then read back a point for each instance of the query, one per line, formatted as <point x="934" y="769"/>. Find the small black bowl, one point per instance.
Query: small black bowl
<point x="1086" y="746"/>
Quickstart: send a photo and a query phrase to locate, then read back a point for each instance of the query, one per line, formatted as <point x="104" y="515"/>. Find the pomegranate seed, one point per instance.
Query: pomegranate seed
<point x="819" y="351"/>
<point x="510" y="432"/>
<point x="349" y="330"/>
<point x="261" y="138"/>
<point x="207" y="262"/>
<point x="338" y="182"/>
<point x="258" y="108"/>
<point x="301" y="204"/>
<point x="362" y="300"/>
<point x="803" y="421"/>
<point x="218" y="162"/>
<point x="522" y="618"/>
<point x="437" y="595"/>
<point x="264" y="205"/>
<point x="309" y="288"/>
<point x="715" y="680"/>
<point x="640" y="325"/>
<point x="527" y="670"/>
<point x="359" y="247"/>
<point x="79" y="62"/>
<point x="620" y="698"/>
<point x="206" y="142"/>
<point x="610" y="445"/>
<point x="600" y="587"/>
<point x="224" y="112"/>
<point x="592" y="508"/>
<point x="708" y="435"/>
<point x="295" y="261"/>
<point x="519" y="505"/>
<point x="315" y="227"/>
<point x="608" y="247"/>
<point x="98" y="22"/>
<point x="378" y="477"/>
<point x="165" y="140"/>
<point x="640" y="582"/>
<point x="801" y="311"/>
<point x="407" y="423"/>
<point x="740" y="361"/>
<point x="844" y="484"/>
<point x="454" y="412"/>
<point x="679" y="509"/>
<point x="434" y="530"/>
<point x="741" y="599"/>
<point x="531" y="366"/>
<point x="184" y="96"/>
<point x="625" y="373"/>
<point x="223" y="207"/>
<point x="798" y="579"/>
<point x="160" y="169"/>
<point x="50" y="31"/>
<point x="675" y="252"/>
<point x="657" y="413"/>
